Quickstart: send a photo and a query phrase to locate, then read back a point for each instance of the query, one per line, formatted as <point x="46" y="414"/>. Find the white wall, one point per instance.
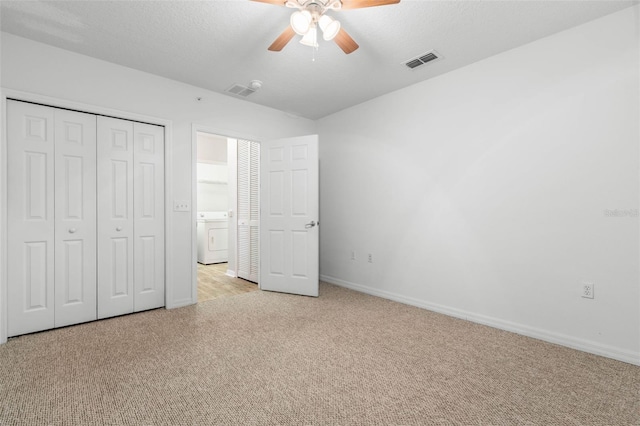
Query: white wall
<point x="212" y="188"/>
<point x="212" y="149"/>
<point x="482" y="193"/>
<point x="212" y="173"/>
<point x="41" y="69"/>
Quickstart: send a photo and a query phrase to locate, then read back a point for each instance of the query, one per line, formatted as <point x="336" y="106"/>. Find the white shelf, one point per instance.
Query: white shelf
<point x="212" y="182"/>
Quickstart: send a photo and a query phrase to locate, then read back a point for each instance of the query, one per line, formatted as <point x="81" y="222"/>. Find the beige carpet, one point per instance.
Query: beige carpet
<point x="343" y="358"/>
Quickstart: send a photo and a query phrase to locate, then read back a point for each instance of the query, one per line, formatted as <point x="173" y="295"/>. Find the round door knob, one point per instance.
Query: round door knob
<point x="118" y="229"/>
<point x="72" y="230"/>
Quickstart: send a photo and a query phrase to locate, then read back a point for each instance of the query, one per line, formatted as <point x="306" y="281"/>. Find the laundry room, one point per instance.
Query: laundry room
<point x="212" y="199"/>
<point x="227" y="204"/>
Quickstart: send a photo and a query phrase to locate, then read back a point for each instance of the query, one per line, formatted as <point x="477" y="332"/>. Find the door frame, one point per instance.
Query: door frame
<point x="6" y="94"/>
<point x="195" y="129"/>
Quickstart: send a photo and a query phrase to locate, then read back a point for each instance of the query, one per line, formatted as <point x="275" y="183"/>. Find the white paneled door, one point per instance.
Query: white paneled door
<point x="75" y="217"/>
<point x="31" y="222"/>
<point x="130" y="217"/>
<point x="148" y="212"/>
<point x="51" y="217"/>
<point x="85" y="217"/>
<point x="289" y="234"/>
<point x="115" y="217"/>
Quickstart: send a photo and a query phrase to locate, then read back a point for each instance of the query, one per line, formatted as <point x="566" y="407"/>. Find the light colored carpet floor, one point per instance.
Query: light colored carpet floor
<point x="344" y="358"/>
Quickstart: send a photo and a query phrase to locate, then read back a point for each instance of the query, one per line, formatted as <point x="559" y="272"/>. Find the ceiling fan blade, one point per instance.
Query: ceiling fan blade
<point x="276" y="2"/>
<point x="282" y="39"/>
<point x="346" y="43"/>
<point x="358" y="4"/>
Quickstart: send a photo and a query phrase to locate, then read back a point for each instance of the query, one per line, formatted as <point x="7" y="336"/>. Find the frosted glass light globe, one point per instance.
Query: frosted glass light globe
<point x="301" y="22"/>
<point x="329" y="26"/>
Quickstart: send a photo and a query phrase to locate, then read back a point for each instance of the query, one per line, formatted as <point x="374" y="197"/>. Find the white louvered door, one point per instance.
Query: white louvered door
<point x="75" y="217"/>
<point x="249" y="210"/>
<point x="148" y="206"/>
<point x="115" y="217"/>
<point x="31" y="222"/>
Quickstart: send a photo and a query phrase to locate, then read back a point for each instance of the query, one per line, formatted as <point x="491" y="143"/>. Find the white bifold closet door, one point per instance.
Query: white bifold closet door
<point x="51" y="217"/>
<point x="249" y="210"/>
<point x="148" y="216"/>
<point x="75" y="213"/>
<point x="130" y="217"/>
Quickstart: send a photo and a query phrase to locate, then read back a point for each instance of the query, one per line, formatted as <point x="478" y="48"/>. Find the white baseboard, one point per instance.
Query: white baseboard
<point x="545" y="335"/>
<point x="231" y="273"/>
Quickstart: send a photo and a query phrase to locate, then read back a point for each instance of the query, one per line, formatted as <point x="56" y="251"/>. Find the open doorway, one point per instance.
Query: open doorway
<point x="287" y="241"/>
<point x="227" y="216"/>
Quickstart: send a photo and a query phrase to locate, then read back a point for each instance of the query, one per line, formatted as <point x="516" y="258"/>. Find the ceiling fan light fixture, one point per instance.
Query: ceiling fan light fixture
<point x="329" y="26"/>
<point x="311" y="37"/>
<point x="334" y="5"/>
<point x="301" y="21"/>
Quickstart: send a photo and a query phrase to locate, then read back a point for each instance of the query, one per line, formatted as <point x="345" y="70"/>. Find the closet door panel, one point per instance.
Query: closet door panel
<point x="30" y="216"/>
<point x="254" y="212"/>
<point x="115" y="217"/>
<point x="75" y="217"/>
<point x="244" y="208"/>
<point x="248" y="210"/>
<point x="148" y="216"/>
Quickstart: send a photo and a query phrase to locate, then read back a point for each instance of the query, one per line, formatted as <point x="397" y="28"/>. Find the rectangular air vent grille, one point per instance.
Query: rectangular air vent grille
<point x="240" y="90"/>
<point x="428" y="57"/>
<point x="414" y="63"/>
<point x="420" y="60"/>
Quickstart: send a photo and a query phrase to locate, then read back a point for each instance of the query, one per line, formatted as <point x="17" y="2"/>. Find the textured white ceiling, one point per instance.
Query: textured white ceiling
<point x="214" y="44"/>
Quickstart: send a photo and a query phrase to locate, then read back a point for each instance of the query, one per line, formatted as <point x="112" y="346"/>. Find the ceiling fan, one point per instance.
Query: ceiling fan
<point x="311" y="15"/>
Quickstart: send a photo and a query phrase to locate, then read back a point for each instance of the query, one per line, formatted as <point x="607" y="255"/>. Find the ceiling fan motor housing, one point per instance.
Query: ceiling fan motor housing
<point x="323" y="5"/>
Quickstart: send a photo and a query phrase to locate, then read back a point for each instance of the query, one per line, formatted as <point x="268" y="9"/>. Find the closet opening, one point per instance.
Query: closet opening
<point x="227" y="215"/>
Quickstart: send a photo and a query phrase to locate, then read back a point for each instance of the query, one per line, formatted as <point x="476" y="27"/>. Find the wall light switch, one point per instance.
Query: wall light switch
<point x="181" y="206"/>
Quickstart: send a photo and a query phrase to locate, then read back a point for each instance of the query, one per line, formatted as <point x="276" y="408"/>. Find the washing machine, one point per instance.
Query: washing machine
<point x="213" y="237"/>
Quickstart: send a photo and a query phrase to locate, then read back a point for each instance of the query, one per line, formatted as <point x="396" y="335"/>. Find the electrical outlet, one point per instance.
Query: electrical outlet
<point x="587" y="290"/>
<point x="181" y="206"/>
<point x="370" y="258"/>
<point x="353" y="255"/>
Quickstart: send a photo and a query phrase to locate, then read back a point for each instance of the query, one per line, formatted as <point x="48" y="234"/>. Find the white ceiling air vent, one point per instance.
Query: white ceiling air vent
<point x="240" y="90"/>
<point x="420" y="60"/>
<point x="244" y="91"/>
